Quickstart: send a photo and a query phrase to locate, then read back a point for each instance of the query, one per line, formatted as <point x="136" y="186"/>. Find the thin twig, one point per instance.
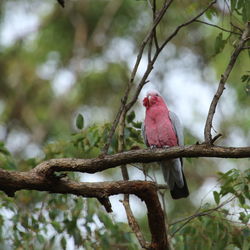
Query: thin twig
<point x="148" y="36"/>
<point x="162" y="186"/>
<point x="116" y="121"/>
<point x="221" y="86"/>
<point x="203" y="213"/>
<point x="218" y="27"/>
<point x="154" y="16"/>
<point x="134" y="225"/>
<point x="158" y="51"/>
<point x="130" y="217"/>
<point x="186" y="24"/>
<point x="236" y="27"/>
<point x="154" y="36"/>
<point x="133" y="74"/>
<point x="142" y="169"/>
<point x="127" y="106"/>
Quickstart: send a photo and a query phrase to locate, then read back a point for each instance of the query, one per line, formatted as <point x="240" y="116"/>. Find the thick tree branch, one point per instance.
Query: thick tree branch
<point x="221" y="87"/>
<point x="146" y="191"/>
<point x="94" y="165"/>
<point x="41" y="178"/>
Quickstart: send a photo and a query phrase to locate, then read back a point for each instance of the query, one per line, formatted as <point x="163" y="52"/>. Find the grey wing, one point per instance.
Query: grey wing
<point x="177" y="127"/>
<point x="143" y="133"/>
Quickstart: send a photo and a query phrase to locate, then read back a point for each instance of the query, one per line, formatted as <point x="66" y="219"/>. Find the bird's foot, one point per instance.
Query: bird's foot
<point x="153" y="146"/>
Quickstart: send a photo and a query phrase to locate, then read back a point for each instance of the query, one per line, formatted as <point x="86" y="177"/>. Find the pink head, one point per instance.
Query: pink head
<point x="153" y="98"/>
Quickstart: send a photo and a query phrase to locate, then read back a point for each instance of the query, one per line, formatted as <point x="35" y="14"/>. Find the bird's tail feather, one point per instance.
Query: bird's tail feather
<point x="174" y="176"/>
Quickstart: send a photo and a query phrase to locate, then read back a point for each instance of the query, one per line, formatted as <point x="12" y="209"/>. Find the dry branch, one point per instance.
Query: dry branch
<point x="159" y="50"/>
<point x="199" y="214"/>
<point x="137" y="156"/>
<point x="146" y="191"/>
<point x="9" y="180"/>
<point x="239" y="47"/>
<point x="151" y="35"/>
<point x="42" y="178"/>
<point x="134" y="225"/>
<point x="124" y="100"/>
<point x="218" y="27"/>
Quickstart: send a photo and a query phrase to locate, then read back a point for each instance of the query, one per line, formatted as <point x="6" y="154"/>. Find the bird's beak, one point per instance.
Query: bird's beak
<point x="146" y="101"/>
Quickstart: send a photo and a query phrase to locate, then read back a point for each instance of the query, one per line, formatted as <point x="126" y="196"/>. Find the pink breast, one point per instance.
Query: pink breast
<point x="159" y="129"/>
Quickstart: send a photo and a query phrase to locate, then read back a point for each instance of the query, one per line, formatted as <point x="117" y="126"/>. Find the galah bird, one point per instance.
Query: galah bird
<point x="161" y="129"/>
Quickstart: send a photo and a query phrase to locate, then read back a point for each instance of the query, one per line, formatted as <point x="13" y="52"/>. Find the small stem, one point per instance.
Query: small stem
<point x="218" y="27"/>
<point x="221" y="86"/>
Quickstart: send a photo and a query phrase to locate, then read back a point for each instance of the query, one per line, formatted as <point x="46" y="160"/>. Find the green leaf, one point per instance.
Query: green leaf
<point x="210" y="13"/>
<point x="246" y="11"/>
<point x="93" y="137"/>
<point x="56" y="226"/>
<point x="40" y="238"/>
<point x="240" y="4"/>
<point x="233" y="4"/>
<point x="241" y="199"/>
<point x="80" y="121"/>
<point x="77" y="237"/>
<point x="244" y="217"/>
<point x="219" y="43"/>
<point x="104" y="218"/>
<point x="137" y="125"/>
<point x="246" y="191"/>
<point x="246" y="232"/>
<point x="131" y="117"/>
<point x="245" y="78"/>
<point x="63" y="243"/>
<point x="216" y="197"/>
<point x="3" y="150"/>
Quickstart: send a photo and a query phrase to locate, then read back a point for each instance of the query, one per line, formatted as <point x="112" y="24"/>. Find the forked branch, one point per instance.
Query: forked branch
<point x="151" y="35"/>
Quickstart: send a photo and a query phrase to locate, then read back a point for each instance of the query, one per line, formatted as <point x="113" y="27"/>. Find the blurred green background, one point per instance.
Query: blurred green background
<point x="56" y="63"/>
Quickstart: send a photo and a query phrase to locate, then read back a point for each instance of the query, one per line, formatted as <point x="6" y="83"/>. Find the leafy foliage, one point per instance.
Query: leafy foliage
<point x="213" y="227"/>
<point x="89" y="47"/>
<point x="80" y="121"/>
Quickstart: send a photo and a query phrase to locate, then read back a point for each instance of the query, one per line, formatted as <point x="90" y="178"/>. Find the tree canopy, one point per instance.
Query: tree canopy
<point x="72" y="159"/>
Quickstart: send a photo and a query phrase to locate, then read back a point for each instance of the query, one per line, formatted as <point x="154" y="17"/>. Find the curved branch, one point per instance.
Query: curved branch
<point x="146" y="191"/>
<point x="239" y="47"/>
